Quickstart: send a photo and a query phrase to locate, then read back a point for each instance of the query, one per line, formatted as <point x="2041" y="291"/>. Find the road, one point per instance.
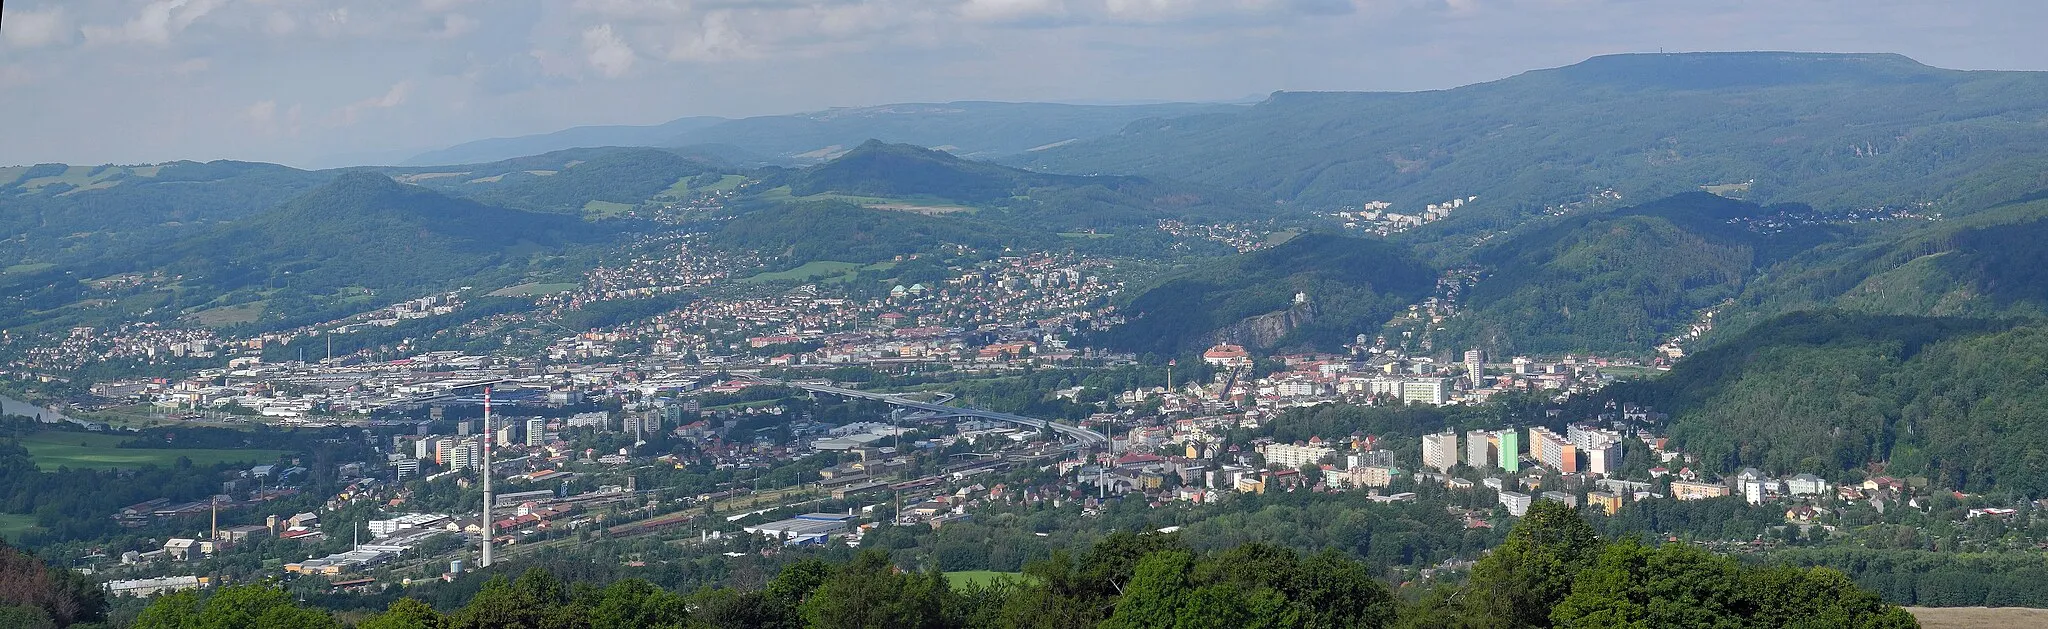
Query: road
<point x="1081" y="436"/>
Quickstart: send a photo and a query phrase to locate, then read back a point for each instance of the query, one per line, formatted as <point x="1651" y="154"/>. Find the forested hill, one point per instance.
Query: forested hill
<point x="1626" y="280"/>
<point x="1349" y="285"/>
<point x="1833" y="130"/>
<point x="63" y="214"/>
<point x="1959" y="401"/>
<point x="899" y="170"/>
<point x="1989" y="264"/>
<point x="365" y="230"/>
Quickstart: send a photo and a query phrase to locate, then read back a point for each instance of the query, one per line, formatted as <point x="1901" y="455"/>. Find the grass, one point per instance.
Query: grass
<point x="52" y="450"/>
<point x="1726" y="189"/>
<point x="229" y="315"/>
<point x="530" y="289"/>
<point x="603" y="209"/>
<point x="918" y="206"/>
<point x="1632" y="373"/>
<point x="682" y="190"/>
<point x="13" y="525"/>
<point x="1282" y="236"/>
<point x="27" y="268"/>
<point x="968" y="578"/>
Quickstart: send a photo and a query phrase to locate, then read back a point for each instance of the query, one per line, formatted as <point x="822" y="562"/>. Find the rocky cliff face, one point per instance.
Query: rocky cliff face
<point x="1264" y="331"/>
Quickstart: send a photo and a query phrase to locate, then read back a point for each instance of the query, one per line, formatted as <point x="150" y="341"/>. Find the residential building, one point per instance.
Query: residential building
<point x="1507" y="450"/>
<point x="1695" y="490"/>
<point x="406" y="466"/>
<point x="1608" y="501"/>
<point x="1479" y="451"/>
<point x="1553" y="451"/>
<point x="1368" y="476"/>
<point x="1294" y="456"/>
<point x="1516" y="502"/>
<point x="536" y="432"/>
<point x="1475" y="367"/>
<point x="1806" y="485"/>
<point x="1440" y="451"/>
<point x="1561" y="497"/>
<point x="1431" y="391"/>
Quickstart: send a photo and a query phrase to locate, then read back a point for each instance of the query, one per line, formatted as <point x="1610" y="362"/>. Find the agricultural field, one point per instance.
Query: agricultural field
<point x="13" y="525"/>
<point x="229" y="315"/>
<point x="605" y="209"/>
<point x="682" y="189"/>
<point x="1979" y="617"/>
<point x="52" y="450"/>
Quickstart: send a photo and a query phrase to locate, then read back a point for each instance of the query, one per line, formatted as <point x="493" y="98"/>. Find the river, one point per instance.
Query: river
<point x="11" y="406"/>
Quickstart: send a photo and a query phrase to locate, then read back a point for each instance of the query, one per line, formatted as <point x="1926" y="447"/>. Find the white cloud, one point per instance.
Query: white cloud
<point x="607" y="52"/>
<point x="393" y="97"/>
<point x="713" y="39"/>
<point x="1013" y="10"/>
<point x="157" y="23"/>
<point x="35" y="29"/>
<point x="280" y="23"/>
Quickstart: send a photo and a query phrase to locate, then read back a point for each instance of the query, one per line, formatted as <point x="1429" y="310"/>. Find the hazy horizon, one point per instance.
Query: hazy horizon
<point x="320" y="84"/>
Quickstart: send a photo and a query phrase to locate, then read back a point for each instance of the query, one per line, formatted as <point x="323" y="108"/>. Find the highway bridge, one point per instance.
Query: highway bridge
<point x="1081" y="436"/>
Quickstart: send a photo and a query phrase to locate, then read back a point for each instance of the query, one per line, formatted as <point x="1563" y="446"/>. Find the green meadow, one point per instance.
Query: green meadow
<point x="52" y="450"/>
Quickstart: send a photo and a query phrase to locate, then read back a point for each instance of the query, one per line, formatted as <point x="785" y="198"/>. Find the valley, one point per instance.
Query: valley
<point x="1719" y="319"/>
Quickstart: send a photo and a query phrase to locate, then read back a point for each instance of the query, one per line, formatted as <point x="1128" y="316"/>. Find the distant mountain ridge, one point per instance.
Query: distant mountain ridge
<point x="1833" y="130"/>
<point x="969" y="128"/>
<point x="496" y="149"/>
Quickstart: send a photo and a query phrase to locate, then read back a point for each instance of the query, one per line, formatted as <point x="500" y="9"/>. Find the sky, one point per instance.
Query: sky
<point x="333" y="82"/>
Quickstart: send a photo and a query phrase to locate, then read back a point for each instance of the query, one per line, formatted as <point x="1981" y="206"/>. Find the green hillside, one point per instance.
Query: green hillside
<point x="1959" y="401"/>
<point x="1351" y="286"/>
<point x="1988" y="264"/>
<point x="564" y="181"/>
<point x="1626" y="280"/>
<point x="1833" y="130"/>
<point x="882" y="173"/>
<point x="58" y="214"/>
<point x="797" y="233"/>
<point x="364" y="231"/>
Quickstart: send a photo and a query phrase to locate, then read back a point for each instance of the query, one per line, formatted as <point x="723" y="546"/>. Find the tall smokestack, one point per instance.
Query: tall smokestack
<point x="486" y="562"/>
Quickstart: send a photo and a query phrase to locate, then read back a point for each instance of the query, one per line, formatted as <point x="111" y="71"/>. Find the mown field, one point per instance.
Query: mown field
<point x="52" y="450"/>
<point x="1979" y="617"/>
<point x="12" y="525"/>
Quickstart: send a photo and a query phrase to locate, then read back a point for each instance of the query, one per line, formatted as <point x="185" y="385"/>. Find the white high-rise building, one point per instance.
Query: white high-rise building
<point x="1431" y="391"/>
<point x="1475" y="367"/>
<point x="468" y="454"/>
<point x="536" y="431"/>
<point x="1440" y="451"/>
<point x="1479" y="449"/>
